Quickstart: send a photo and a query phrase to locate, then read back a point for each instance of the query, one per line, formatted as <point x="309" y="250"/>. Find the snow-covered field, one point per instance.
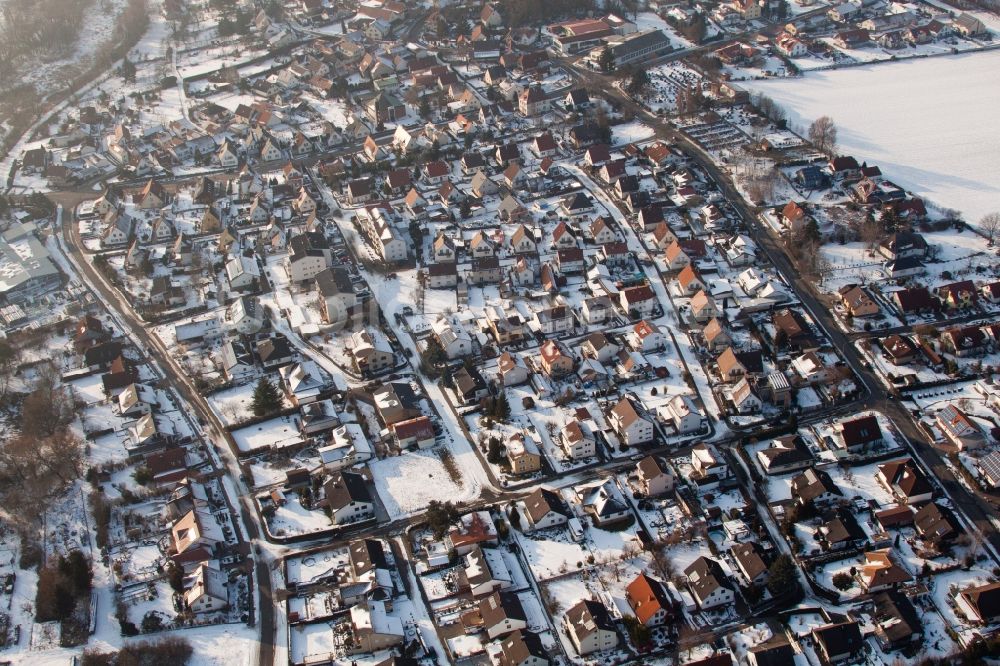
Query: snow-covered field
<point x="407" y="483"/>
<point x="941" y="144"/>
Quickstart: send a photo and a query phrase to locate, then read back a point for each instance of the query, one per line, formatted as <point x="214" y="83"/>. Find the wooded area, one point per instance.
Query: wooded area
<point x="44" y="29"/>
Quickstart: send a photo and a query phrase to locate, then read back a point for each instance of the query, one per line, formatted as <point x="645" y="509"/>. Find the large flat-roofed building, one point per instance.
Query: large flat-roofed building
<point x="646" y="45"/>
<point x="579" y="36"/>
<point x="26" y="271"/>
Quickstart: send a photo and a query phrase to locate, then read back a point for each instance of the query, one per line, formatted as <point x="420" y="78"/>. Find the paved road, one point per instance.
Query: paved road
<point x="178" y="380"/>
<point x="976" y="506"/>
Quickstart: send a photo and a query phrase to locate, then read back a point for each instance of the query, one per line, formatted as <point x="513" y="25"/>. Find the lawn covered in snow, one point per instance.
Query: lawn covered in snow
<point x="407" y="483"/>
<point x="930" y="124"/>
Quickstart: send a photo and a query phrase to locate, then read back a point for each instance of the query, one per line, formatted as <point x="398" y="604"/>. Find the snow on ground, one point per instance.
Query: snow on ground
<point x="233" y="405"/>
<point x="277" y="432"/>
<point x="938" y="145"/>
<point x="650" y="21"/>
<point x="632" y="132"/>
<point x="293" y="519"/>
<point x="408" y="482"/>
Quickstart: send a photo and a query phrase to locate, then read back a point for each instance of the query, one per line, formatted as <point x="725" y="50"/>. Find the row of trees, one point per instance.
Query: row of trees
<point x="518" y="13"/>
<point x="171" y="651"/>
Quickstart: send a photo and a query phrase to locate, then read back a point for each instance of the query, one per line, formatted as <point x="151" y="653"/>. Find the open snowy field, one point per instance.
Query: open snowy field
<point x="930" y="124"/>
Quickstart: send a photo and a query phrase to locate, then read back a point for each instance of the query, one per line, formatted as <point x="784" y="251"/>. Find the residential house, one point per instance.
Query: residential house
<point x="859" y="434"/>
<point x="980" y="604"/>
<point x="523" y="455"/>
<point x="638" y="301"/>
<point x="441" y="276"/>
<point x="371" y="352"/>
<point x="816" y="487"/>
<point x="604" y="503"/>
<point x="841" y="532"/>
<point x="649" y="600"/>
<point x="632" y="428"/>
<point x="897" y="624"/>
<point x="512" y="370"/>
<point x="469" y="385"/>
<point x="743" y="398"/>
<point x="905" y="481"/>
<point x="577" y="441"/>
<point x="590" y="628"/>
<point x="965" y="341"/>
<point x="904" y="245"/>
<point x="958" y="295"/>
<point x="674" y="256"/>
<point x="709" y="584"/>
<point x="655" y="476"/>
<point x="900" y="350"/>
<point x="245" y="315"/>
<point x="303" y="382"/>
<point x="703" y="307"/>
<point x="935" y="523"/>
<point x="857" y="302"/>
<point x="915" y="300"/>
<point x="502" y="614"/>
<point x="309" y="254"/>
<point x="452" y="336"/>
<point x="555" y="320"/>
<point x="348" y="498"/>
<point x="417" y="432"/>
<point x="646" y="337"/>
<point x="787" y="453"/>
<point x="683" y="414"/>
<point x="599" y="346"/>
<point x="600" y="230"/>
<point x="347" y="447"/>
<point x="337" y="296"/>
<point x="545" y="508"/>
<point x="523" y="241"/>
<point x="750" y="562"/>
<point x="523" y="648"/>
<point x="880" y="572"/>
<point x="689" y="281"/>
<point x="554" y="361"/>
<point x="716" y="336"/>
<point x="838" y="643"/>
<point x="206" y="591"/>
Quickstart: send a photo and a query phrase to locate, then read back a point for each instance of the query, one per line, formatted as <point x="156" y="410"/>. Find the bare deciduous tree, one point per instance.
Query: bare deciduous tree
<point x="871" y="235"/>
<point x="661" y="563"/>
<point x="823" y="134"/>
<point x="990" y="226"/>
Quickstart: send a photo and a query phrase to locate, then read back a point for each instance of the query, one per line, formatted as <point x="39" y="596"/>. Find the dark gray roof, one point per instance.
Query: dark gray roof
<point x="839" y="639"/>
<point x="367" y="554"/>
<point x="344" y="488"/>
<point x="309" y="243"/>
<point x="501" y="606"/>
<point x="639" y="41"/>
<point x="274" y="348"/>
<point x="334" y="281"/>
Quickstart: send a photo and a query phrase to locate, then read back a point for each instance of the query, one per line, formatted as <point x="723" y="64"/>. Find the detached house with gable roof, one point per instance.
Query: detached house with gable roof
<point x="590" y="628"/>
<point x="858" y="434"/>
<point x="960" y="430"/>
<point x="905" y="481"/>
<point x="709" y="584"/>
<point x="638" y="301"/>
<point x="545" y="508"/>
<point x="348" y="498"/>
<point x="632" y="428"/>
<point x="650" y="601"/>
